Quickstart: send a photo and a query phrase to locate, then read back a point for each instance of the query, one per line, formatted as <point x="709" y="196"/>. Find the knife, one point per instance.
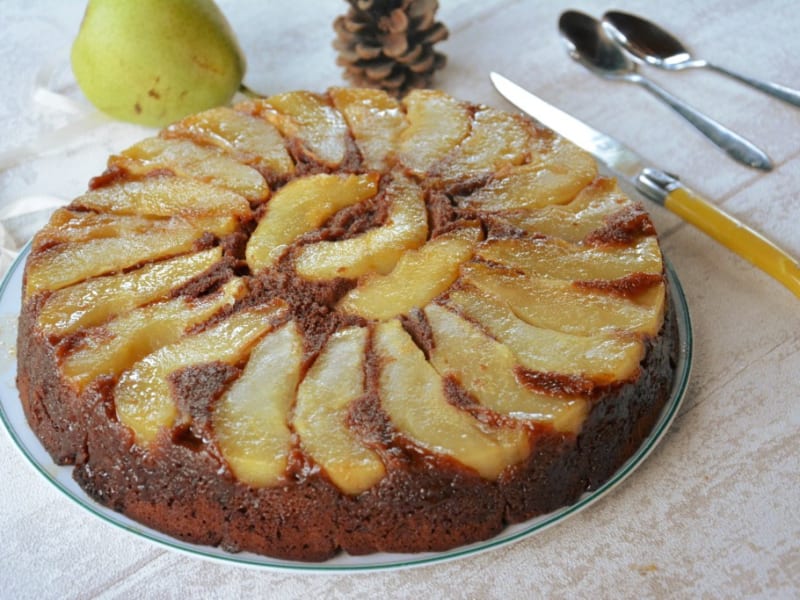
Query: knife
<point x="660" y="187"/>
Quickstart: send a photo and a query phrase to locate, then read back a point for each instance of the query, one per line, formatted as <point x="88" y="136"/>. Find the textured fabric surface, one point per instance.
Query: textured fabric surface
<point x="711" y="513"/>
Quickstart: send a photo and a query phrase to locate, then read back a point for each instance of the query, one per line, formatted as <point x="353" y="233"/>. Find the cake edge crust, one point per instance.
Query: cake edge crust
<point x="191" y="495"/>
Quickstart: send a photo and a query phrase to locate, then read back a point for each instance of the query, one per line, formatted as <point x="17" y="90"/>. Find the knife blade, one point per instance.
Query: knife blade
<point x="659" y="186"/>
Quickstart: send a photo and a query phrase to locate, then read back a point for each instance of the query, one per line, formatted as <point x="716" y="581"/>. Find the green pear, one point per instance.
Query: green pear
<point x="155" y="61"/>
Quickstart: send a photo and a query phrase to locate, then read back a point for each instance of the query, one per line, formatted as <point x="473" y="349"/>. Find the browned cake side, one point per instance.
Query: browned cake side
<point x="435" y="346"/>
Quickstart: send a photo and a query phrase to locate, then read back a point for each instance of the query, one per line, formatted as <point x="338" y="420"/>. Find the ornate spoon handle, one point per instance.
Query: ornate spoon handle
<point x="732" y="143"/>
<point x="773" y="89"/>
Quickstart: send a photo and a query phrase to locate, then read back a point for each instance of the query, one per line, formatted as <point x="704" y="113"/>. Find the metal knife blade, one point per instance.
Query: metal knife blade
<point x="614" y="154"/>
<point x="659" y="186"/>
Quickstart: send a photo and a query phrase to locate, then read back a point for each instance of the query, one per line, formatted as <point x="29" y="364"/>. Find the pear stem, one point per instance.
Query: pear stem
<point x="243" y="89"/>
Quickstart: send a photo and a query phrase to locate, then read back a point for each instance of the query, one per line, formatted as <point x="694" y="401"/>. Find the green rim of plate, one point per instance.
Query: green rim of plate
<point x="60" y="476"/>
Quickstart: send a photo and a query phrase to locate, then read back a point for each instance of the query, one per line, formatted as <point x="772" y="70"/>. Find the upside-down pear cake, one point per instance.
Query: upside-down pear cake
<point x="323" y="322"/>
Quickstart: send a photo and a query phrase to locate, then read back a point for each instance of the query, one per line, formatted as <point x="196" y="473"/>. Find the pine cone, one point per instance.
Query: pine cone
<point x="388" y="44"/>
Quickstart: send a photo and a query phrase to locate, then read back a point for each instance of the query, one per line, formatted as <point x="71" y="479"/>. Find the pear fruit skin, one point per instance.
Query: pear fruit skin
<point x="153" y="62"/>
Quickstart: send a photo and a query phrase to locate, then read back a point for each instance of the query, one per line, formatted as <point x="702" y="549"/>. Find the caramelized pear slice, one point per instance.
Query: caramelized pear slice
<point x="563" y="172"/>
<point x="550" y="257"/>
<point x="112" y="348"/>
<point x="94" y="301"/>
<point x="419" y="276"/>
<point x="307" y="117"/>
<point x="437" y="123"/>
<point x="143" y="395"/>
<point x="486" y="369"/>
<point x="376" y="250"/>
<point x="575" y="220"/>
<point x="186" y="159"/>
<point x="165" y="197"/>
<point x="251" y="419"/>
<point x="412" y="395"/>
<point x="375" y="120"/>
<point x="561" y="306"/>
<point x="603" y="359"/>
<point x="67" y="225"/>
<point x="246" y="138"/>
<point x="135" y="241"/>
<point x="497" y="139"/>
<point x="324" y="397"/>
<point x="302" y="205"/>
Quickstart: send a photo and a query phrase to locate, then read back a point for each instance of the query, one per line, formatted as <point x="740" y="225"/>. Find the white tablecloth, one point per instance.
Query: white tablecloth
<point x="713" y="511"/>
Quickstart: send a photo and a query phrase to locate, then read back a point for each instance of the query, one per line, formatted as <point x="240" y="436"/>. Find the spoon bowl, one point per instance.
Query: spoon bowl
<point x="589" y="45"/>
<point x="586" y="44"/>
<point x="648" y="42"/>
<point x="653" y="45"/>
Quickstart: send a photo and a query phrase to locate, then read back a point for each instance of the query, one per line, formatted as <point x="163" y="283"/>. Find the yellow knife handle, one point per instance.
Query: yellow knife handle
<point x="734" y="235"/>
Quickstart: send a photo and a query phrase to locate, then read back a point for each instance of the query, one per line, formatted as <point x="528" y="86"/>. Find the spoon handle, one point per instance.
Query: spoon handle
<point x="732" y="143"/>
<point x="773" y="89"/>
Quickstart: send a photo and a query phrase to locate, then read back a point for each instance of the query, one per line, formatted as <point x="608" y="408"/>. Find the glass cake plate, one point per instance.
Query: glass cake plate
<point x="14" y="420"/>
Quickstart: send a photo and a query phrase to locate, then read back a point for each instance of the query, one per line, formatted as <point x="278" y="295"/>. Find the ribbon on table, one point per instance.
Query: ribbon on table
<point x="7" y="251"/>
<point x="19" y="221"/>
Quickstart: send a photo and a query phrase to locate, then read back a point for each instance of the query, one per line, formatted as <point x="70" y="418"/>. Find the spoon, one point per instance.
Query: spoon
<point x="655" y="46"/>
<point x="590" y="46"/>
